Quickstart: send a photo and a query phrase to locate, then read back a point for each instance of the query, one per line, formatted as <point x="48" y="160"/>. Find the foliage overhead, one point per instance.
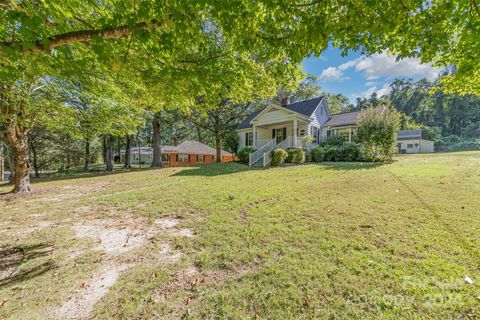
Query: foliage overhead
<point x="440" y="31"/>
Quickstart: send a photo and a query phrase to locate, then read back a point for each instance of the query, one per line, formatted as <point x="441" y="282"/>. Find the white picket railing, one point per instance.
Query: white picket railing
<point x="285" y="143"/>
<point x="260" y="153"/>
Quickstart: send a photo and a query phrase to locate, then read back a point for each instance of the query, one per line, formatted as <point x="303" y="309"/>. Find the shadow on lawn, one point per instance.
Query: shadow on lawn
<point x="345" y="166"/>
<point x="18" y="263"/>
<point x="212" y="169"/>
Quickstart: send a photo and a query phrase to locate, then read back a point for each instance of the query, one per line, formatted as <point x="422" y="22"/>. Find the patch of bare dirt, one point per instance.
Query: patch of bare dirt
<point x="191" y="280"/>
<point x="114" y="239"/>
<point x="80" y="306"/>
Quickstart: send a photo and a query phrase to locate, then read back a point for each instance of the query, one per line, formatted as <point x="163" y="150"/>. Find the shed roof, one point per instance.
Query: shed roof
<point x="410" y="133"/>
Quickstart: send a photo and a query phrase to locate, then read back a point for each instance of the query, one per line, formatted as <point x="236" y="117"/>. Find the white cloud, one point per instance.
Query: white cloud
<point x="332" y="74"/>
<point x="349" y="64"/>
<point x="371" y="83"/>
<point x="384" y="65"/>
<point x="381" y="91"/>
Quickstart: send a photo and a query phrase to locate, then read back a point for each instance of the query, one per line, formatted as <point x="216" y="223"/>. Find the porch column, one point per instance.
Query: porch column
<point x="294" y="137"/>
<point x="254" y="137"/>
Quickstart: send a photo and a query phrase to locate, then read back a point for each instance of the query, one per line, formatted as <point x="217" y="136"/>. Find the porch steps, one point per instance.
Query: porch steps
<point x="258" y="164"/>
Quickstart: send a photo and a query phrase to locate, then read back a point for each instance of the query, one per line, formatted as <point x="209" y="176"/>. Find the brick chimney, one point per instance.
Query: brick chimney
<point x="285" y="101"/>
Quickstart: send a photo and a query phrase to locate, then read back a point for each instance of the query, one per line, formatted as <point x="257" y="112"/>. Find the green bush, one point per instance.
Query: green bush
<point x="296" y="155"/>
<point x="331" y="153"/>
<point x="348" y="152"/>
<point x="244" y="154"/>
<point x="376" y="130"/>
<point x="318" y="154"/>
<point x="465" y="145"/>
<point x="308" y="156"/>
<point x="335" y="140"/>
<point x="279" y="156"/>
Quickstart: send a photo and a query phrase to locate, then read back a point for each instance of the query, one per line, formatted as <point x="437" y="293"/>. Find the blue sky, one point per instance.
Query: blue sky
<point x="359" y="76"/>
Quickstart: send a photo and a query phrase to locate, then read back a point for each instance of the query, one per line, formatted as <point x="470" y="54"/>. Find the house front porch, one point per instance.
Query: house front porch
<point x="287" y="134"/>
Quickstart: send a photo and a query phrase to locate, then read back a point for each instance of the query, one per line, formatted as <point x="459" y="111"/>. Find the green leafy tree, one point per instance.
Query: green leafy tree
<point x="21" y="102"/>
<point x="339" y="103"/>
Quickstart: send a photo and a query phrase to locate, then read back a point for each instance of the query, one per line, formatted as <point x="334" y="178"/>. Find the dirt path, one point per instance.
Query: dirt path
<point x="114" y="239"/>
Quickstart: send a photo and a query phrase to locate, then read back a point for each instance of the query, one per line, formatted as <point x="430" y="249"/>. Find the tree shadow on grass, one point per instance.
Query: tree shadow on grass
<point x="346" y="166"/>
<point x="212" y="169"/>
<point x="21" y="263"/>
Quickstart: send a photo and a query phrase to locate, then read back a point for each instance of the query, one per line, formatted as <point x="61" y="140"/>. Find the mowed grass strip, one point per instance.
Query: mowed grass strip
<point x="331" y="240"/>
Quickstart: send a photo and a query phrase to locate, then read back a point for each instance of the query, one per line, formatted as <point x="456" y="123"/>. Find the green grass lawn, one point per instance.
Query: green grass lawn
<point x="331" y="240"/>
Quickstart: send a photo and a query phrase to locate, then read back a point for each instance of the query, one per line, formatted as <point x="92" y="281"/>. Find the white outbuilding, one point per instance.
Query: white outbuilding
<point x="411" y="141"/>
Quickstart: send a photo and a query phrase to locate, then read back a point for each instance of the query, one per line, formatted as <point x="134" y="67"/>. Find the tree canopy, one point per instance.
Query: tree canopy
<point x="439" y="31"/>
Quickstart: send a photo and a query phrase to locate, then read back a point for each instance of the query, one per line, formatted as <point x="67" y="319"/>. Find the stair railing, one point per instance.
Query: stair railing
<point x="259" y="154"/>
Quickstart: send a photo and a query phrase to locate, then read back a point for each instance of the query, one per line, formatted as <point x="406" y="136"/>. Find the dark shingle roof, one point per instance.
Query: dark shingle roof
<point x="303" y="107"/>
<point x="410" y="133"/>
<point x="342" y="119"/>
<point x="246" y="123"/>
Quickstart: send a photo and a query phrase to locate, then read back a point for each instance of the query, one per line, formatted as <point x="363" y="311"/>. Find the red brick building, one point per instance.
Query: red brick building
<point x="187" y="153"/>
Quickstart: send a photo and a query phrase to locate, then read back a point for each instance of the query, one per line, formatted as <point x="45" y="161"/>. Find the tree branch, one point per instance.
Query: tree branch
<point x="475" y="6"/>
<point x="305" y="4"/>
<point x="84" y="36"/>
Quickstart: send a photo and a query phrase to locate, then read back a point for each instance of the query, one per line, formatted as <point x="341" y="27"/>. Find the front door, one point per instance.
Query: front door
<point x="279" y="134"/>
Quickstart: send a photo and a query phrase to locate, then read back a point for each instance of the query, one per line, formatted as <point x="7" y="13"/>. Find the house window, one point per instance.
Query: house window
<point x="345" y="133"/>
<point x="329" y="133"/>
<point x="315" y="134"/>
<point x="410" y="146"/>
<point x="135" y="157"/>
<point x="183" y="158"/>
<point x="279" y="134"/>
<point x="248" y="138"/>
<point x="200" y="158"/>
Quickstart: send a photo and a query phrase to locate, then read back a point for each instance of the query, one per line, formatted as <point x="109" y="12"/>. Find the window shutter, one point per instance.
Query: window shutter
<point x="188" y="158"/>
<point x="246" y="138"/>
<point x="176" y="157"/>
<point x="285" y="133"/>
<point x="273" y="133"/>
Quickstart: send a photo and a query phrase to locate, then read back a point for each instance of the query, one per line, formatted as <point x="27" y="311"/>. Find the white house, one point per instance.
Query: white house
<point x="289" y="125"/>
<point x="411" y="141"/>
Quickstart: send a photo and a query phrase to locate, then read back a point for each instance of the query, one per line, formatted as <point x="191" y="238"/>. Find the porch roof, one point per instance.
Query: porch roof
<point x="305" y="108"/>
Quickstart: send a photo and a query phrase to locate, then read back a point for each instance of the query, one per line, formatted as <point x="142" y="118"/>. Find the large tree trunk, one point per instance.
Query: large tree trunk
<point x="9" y="158"/>
<point x="199" y="134"/>
<point x="218" y="145"/>
<point x="157" y="152"/>
<point x="109" y="166"/>
<point x="86" y="165"/>
<point x="2" y="163"/>
<point x="18" y="140"/>
<point x="35" y="161"/>
<point x="127" y="164"/>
